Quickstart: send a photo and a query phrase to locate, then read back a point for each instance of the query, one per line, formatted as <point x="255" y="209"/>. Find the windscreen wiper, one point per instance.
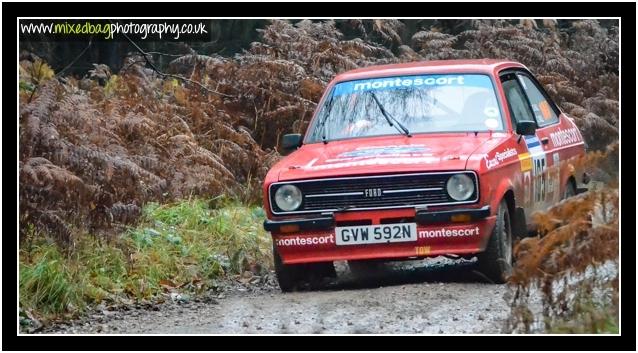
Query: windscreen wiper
<point x="322" y="123"/>
<point x="389" y="117"/>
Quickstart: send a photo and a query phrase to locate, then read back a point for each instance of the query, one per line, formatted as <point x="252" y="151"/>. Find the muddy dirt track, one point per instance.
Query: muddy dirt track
<point x="434" y="296"/>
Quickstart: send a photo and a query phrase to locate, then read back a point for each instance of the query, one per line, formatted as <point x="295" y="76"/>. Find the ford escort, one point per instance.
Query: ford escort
<point x="418" y="160"/>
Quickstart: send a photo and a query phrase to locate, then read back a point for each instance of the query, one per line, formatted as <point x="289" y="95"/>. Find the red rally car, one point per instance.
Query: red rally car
<point x="420" y="159"/>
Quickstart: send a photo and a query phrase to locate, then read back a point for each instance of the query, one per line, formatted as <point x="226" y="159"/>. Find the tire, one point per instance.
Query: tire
<point x="570" y="190"/>
<point x="288" y="276"/>
<point x="292" y="277"/>
<point x="496" y="261"/>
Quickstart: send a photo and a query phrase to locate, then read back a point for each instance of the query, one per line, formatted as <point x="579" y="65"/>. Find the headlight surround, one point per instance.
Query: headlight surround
<point x="460" y="187"/>
<point x="288" y="197"/>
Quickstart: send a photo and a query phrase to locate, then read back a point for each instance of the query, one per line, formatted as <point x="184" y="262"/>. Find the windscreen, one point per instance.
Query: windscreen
<point x="421" y="104"/>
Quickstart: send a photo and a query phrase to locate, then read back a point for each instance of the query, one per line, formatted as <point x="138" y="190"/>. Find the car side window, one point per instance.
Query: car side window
<point x="519" y="108"/>
<point x="543" y="111"/>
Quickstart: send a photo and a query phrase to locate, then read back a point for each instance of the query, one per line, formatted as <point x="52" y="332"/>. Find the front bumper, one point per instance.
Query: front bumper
<point x="313" y="239"/>
<point x="421" y="217"/>
<point x="320" y="223"/>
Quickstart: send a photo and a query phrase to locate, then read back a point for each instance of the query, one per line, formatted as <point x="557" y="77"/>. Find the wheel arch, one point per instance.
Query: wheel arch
<point x="504" y="191"/>
<point x="510" y="200"/>
<point x="568" y="174"/>
<point x="518" y="219"/>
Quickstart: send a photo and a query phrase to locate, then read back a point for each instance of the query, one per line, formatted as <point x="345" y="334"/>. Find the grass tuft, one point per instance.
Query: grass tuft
<point x="186" y="245"/>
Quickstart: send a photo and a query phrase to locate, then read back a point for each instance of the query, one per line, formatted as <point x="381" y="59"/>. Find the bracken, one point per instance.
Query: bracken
<point x="120" y="140"/>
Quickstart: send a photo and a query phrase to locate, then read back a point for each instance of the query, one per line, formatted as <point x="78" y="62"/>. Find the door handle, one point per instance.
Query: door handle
<point x="545" y="140"/>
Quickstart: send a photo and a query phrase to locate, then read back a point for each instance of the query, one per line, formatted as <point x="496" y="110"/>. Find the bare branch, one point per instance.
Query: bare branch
<point x="76" y="58"/>
<point x="164" y="75"/>
<point x="165" y="54"/>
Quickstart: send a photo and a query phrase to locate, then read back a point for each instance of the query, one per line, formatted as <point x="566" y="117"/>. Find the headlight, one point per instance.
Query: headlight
<point x="460" y="187"/>
<point x="288" y="198"/>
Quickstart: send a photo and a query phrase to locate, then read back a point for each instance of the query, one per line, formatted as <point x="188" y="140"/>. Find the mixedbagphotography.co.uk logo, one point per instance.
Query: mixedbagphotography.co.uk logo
<point x="173" y="30"/>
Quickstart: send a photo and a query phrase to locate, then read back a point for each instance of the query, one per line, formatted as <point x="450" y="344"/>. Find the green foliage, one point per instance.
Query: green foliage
<point x="590" y="318"/>
<point x="26" y="86"/>
<point x="47" y="282"/>
<point x="187" y="244"/>
<point x="232" y="231"/>
<point x="35" y="72"/>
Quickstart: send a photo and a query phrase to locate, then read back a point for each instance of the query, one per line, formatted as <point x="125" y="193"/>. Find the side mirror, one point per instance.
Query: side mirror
<point x="291" y="141"/>
<point x="526" y="128"/>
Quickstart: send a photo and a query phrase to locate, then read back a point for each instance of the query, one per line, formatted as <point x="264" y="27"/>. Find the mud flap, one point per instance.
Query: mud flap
<point x="519" y="223"/>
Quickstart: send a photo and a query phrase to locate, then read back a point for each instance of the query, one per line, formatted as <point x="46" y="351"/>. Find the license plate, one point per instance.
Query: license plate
<point x="376" y="234"/>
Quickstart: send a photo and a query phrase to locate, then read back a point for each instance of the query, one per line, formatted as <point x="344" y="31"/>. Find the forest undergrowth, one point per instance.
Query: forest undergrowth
<point x="100" y="155"/>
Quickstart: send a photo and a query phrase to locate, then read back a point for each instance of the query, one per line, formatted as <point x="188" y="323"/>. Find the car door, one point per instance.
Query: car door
<point x="548" y="120"/>
<point x="520" y="110"/>
<point x="535" y="166"/>
<point x="556" y="140"/>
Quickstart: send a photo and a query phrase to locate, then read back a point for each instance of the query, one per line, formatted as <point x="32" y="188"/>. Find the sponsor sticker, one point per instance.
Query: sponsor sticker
<point x="490" y="163"/>
<point x="370" y="162"/>
<point x="449" y="232"/>
<point x="545" y="110"/>
<point x="565" y="137"/>
<point x="499" y="157"/>
<point x="378" y="151"/>
<point x="491" y="123"/>
<point x="377" y="155"/>
<point x="534" y="145"/>
<point x="404" y="82"/>
<point x="526" y="161"/>
<point x="305" y="240"/>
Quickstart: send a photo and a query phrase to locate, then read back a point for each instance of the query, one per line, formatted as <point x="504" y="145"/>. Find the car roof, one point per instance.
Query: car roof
<point x="485" y="66"/>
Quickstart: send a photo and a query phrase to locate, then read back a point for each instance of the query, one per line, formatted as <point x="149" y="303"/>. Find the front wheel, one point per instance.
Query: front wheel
<point x="496" y="261"/>
<point x="292" y="277"/>
<point x="288" y="276"/>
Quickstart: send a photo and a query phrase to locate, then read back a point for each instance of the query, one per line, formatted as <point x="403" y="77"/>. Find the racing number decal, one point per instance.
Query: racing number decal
<point x="539" y="178"/>
<point x="539" y="169"/>
<point x="527" y="187"/>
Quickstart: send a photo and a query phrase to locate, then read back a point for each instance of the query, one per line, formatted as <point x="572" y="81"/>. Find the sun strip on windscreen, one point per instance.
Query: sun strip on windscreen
<point x="403" y="82"/>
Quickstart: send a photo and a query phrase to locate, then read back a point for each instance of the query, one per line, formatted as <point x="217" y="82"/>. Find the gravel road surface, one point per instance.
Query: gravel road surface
<point x="437" y="296"/>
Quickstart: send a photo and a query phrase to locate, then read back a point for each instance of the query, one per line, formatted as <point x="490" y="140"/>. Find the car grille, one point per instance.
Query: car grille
<point x="372" y="192"/>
